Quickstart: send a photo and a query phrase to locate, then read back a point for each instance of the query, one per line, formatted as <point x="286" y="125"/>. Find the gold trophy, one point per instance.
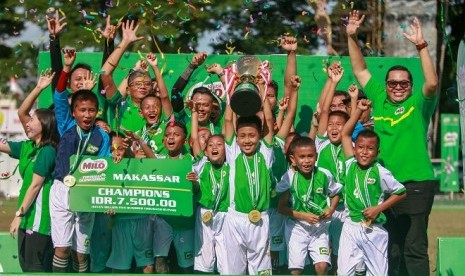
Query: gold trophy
<point x="246" y="101"/>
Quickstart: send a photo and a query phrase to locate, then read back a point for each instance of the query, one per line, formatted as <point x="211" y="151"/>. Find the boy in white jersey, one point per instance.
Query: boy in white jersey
<point x="304" y="198"/>
<point x="246" y="227"/>
<point x="212" y="175"/>
<point x="363" y="238"/>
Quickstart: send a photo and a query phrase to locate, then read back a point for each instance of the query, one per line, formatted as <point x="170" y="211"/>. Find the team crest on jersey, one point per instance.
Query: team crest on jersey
<point x="319" y="190"/>
<point x="400" y="110"/>
<point x="92" y="149"/>
<point x="324" y="251"/>
<point x="371" y="180"/>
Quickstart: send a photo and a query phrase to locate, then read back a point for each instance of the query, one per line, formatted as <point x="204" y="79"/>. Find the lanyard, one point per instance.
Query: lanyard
<point x="253" y="179"/>
<point x="146" y="132"/>
<point x="365" y="201"/>
<point x="307" y="201"/>
<point x="217" y="187"/>
<point x="335" y="154"/>
<point x="80" y="150"/>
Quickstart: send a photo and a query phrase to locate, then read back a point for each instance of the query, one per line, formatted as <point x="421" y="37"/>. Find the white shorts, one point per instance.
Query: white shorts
<point x="209" y="242"/>
<point x="335" y="227"/>
<point x="69" y="229"/>
<point x="358" y="245"/>
<point x="248" y="244"/>
<point x="277" y="221"/>
<point x="183" y="241"/>
<point x="304" y="239"/>
<point x="100" y="247"/>
<point x="131" y="238"/>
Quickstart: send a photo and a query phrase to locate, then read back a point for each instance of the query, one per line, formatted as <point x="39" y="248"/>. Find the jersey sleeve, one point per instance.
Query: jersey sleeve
<point x="389" y="184"/>
<point x="45" y="164"/>
<point x="267" y="152"/>
<point x="285" y="183"/>
<point x="232" y="150"/>
<point x="199" y="165"/>
<point x="62" y="112"/>
<point x="374" y="90"/>
<point x="279" y="141"/>
<point x="15" y="148"/>
<point x="321" y="142"/>
<point x="349" y="162"/>
<point x="333" y="187"/>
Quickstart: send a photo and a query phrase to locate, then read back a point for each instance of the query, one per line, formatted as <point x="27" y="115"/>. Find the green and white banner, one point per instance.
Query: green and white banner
<point x="142" y="186"/>
<point x="450" y="139"/>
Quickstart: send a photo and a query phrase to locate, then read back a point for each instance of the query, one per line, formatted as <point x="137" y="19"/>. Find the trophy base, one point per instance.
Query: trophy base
<point x="245" y="100"/>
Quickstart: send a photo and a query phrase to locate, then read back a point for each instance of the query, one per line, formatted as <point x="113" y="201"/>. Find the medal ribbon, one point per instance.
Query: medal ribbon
<point x="335" y="154"/>
<point x="365" y="201"/>
<point x="217" y="187"/>
<point x="307" y="202"/>
<point x="253" y="181"/>
<point x="80" y="150"/>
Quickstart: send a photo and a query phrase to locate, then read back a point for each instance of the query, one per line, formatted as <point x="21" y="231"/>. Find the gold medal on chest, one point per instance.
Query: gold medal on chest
<point x="255" y="216"/>
<point x="69" y="180"/>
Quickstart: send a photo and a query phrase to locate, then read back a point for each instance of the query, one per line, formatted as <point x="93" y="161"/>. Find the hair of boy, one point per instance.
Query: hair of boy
<point x="295" y="137"/>
<point x="400" y="68"/>
<point x="137" y="73"/>
<point x="204" y="91"/>
<point x="178" y="124"/>
<point x="273" y="84"/>
<point x="80" y="66"/>
<point x="368" y="133"/>
<point x="302" y="141"/>
<point x="249" y="120"/>
<point x="83" y="95"/>
<point x="215" y="135"/>
<point x="339" y="113"/>
<point x="49" y="135"/>
<point x="151" y="95"/>
<point x="342" y="93"/>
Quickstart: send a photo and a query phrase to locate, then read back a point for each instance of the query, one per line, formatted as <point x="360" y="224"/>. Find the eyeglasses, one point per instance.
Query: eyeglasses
<point x="140" y="83"/>
<point x="393" y="84"/>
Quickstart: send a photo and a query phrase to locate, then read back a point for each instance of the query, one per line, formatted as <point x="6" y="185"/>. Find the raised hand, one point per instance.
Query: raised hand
<point x="289" y="43"/>
<point x="284" y="103"/>
<point x="364" y="104"/>
<point x="199" y="58"/>
<point x="89" y="80"/>
<point x="110" y="30"/>
<point x="152" y="59"/>
<point x="129" y="31"/>
<point x="45" y="79"/>
<point x="69" y="56"/>
<point x="353" y="91"/>
<point x="416" y="36"/>
<point x="141" y="65"/>
<point x="355" y="21"/>
<point x="54" y="25"/>
<point x="192" y="106"/>
<point x="215" y="68"/>
<point x="296" y="81"/>
<point x="335" y="73"/>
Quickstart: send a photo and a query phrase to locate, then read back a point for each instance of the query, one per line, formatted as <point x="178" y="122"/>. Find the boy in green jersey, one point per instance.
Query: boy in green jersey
<point x="363" y="237"/>
<point x="304" y="198"/>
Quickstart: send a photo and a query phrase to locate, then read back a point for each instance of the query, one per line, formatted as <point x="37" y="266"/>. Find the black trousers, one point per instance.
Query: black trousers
<point x="407" y="224"/>
<point x="35" y="252"/>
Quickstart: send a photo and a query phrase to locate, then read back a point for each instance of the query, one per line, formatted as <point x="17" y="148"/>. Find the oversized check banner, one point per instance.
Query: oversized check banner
<point x="142" y="186"/>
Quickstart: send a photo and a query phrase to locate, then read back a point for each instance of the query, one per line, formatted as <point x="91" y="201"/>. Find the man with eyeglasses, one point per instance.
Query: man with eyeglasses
<point x="401" y="115"/>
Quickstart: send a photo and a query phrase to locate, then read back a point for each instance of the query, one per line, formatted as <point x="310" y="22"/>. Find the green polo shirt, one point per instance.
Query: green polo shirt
<point x="124" y="113"/>
<point x="40" y="161"/>
<point x="402" y="128"/>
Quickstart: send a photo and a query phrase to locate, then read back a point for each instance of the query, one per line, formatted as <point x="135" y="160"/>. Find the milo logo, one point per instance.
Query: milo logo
<point x="89" y="165"/>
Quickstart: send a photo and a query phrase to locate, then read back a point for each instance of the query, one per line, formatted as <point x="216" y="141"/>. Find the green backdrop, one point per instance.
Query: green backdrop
<point x="309" y="68"/>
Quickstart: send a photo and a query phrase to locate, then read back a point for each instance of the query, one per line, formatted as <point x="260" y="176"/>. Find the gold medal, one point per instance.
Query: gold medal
<point x="207" y="217"/>
<point x="367" y="223"/>
<point x="69" y="180"/>
<point x="255" y="216"/>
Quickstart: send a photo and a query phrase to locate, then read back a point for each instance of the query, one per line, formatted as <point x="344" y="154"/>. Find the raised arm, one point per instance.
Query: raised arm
<point x="55" y="27"/>
<point x="359" y="67"/>
<point x="165" y="100"/>
<point x="289" y="44"/>
<point x="292" y="109"/>
<point x="45" y="79"/>
<point x="193" y="107"/>
<point x="176" y="92"/>
<point x="109" y="33"/>
<point x="218" y="70"/>
<point x="348" y="128"/>
<point x="267" y="114"/>
<point x="335" y="72"/>
<point x="431" y="78"/>
<point x="129" y="36"/>
<point x="353" y="94"/>
<point x="282" y="106"/>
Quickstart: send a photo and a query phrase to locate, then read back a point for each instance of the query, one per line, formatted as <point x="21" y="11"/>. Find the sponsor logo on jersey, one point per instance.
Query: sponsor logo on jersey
<point x="371" y="180"/>
<point x="264" y="272"/>
<point x="400" y="110"/>
<point x="319" y="190"/>
<point x="324" y="251"/>
<point x="188" y="255"/>
<point x="92" y="149"/>
<point x="277" y="239"/>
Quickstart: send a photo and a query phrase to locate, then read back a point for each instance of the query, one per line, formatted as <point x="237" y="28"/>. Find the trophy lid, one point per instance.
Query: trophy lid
<point x="248" y="65"/>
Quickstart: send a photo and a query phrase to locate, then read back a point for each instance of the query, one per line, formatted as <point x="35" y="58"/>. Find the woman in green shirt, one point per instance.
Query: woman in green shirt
<point x="36" y="165"/>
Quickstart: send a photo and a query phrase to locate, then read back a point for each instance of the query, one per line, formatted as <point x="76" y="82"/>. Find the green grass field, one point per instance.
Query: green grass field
<point x="447" y="220"/>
